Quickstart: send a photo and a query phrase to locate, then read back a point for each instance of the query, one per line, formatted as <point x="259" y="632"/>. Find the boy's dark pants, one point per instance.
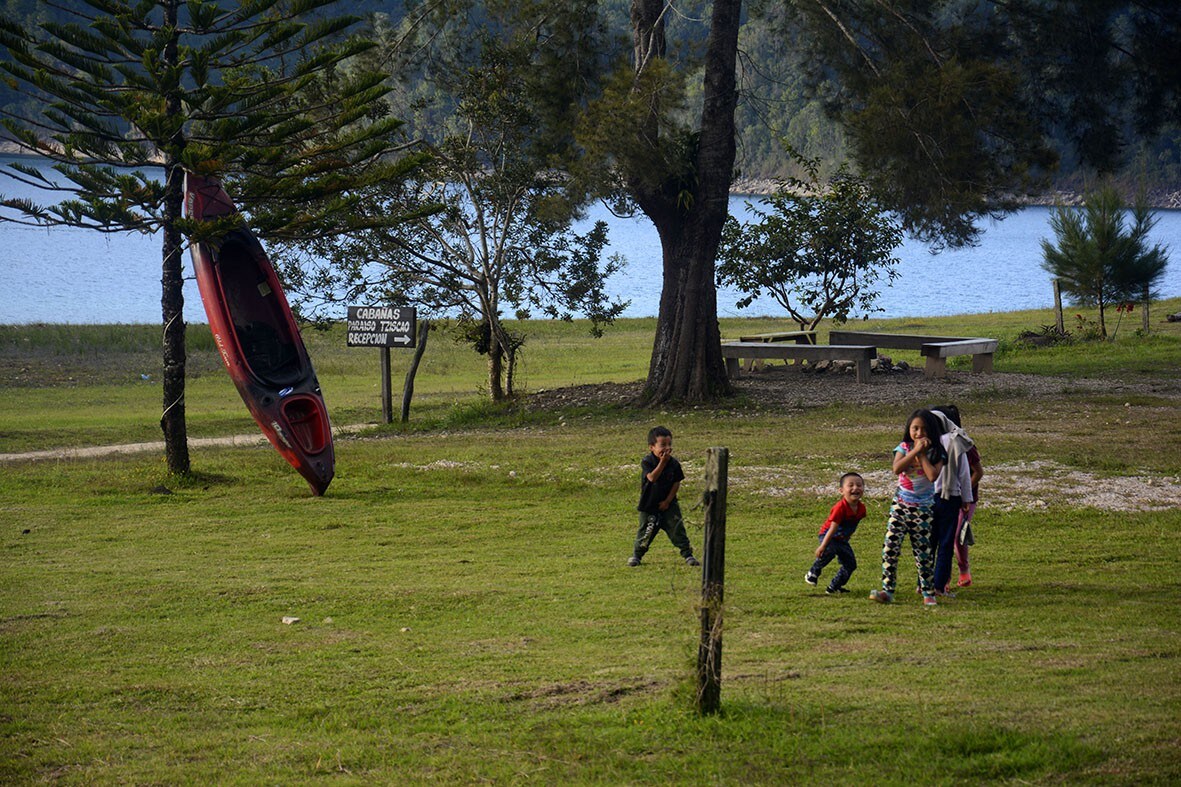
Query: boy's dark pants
<point x="943" y="522"/>
<point x="844" y="555"/>
<point x="670" y="522"/>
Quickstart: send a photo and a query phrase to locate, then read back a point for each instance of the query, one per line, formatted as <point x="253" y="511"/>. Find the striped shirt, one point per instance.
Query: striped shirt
<point x="914" y="489"/>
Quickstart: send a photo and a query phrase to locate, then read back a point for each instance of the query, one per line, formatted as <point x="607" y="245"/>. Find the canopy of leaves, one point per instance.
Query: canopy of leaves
<point x="1106" y="71"/>
<point x="493" y="215"/>
<point x="820" y="249"/>
<point x="1103" y="71"/>
<point x="939" y="120"/>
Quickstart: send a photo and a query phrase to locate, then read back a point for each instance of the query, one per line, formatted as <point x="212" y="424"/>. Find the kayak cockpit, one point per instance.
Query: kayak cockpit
<point x="260" y="325"/>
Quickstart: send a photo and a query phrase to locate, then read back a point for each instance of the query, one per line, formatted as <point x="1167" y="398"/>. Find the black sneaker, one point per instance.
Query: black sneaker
<point x="692" y="561"/>
<point x="811" y="578"/>
<point x="633" y="561"/>
<point x="836" y="591"/>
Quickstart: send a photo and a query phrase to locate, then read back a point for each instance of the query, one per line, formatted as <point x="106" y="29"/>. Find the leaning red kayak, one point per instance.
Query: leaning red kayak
<point x="258" y="338"/>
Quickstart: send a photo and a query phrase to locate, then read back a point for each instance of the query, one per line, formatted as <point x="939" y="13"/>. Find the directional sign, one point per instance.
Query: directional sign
<point x="381" y="326"/>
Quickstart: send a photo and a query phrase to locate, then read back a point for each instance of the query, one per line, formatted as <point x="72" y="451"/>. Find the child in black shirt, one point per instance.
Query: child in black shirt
<point x="660" y="478"/>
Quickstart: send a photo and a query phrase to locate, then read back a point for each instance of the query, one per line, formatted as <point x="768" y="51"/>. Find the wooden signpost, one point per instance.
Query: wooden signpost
<point x="384" y="327"/>
<point x="709" y="651"/>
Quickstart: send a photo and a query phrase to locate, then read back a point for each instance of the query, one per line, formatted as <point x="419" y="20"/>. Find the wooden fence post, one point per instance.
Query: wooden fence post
<point x="1058" y="307"/>
<point x="709" y="651"/>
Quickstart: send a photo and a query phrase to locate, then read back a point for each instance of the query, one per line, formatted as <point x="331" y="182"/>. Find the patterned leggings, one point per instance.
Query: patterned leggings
<point x="914" y="521"/>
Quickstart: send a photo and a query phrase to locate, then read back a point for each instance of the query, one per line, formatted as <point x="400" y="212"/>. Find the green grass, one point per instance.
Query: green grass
<point x="83" y="385"/>
<point x="466" y="615"/>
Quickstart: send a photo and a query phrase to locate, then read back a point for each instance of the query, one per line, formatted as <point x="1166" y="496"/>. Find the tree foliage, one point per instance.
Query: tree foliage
<point x="1113" y="48"/>
<point x="215" y="88"/>
<point x="937" y="116"/>
<point x="493" y="234"/>
<point x="1098" y="258"/>
<point x="819" y="249"/>
<point x="127" y="95"/>
<point x="1104" y="73"/>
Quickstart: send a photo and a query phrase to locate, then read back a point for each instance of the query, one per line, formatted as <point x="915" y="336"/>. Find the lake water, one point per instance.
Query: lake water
<point x="80" y="276"/>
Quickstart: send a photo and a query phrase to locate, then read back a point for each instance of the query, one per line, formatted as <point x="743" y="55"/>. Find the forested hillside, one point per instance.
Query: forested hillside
<point x="776" y="105"/>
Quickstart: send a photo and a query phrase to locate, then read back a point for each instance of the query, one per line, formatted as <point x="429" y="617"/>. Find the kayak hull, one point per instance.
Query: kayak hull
<point x="258" y="339"/>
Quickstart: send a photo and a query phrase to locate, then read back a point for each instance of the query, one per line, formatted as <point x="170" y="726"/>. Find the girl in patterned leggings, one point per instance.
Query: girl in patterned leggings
<point x="918" y="460"/>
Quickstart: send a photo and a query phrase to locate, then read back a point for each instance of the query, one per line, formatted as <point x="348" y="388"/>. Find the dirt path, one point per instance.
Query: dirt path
<point x="93" y="451"/>
<point x="779" y="388"/>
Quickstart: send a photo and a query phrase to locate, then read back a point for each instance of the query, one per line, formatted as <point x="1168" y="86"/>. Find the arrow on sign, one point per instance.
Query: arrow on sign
<point x="401" y="339"/>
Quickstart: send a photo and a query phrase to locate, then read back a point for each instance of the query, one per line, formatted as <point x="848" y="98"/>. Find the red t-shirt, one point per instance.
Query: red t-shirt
<point x="845" y="519"/>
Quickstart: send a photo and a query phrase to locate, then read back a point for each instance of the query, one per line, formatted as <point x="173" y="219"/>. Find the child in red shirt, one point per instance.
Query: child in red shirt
<point x="834" y="535"/>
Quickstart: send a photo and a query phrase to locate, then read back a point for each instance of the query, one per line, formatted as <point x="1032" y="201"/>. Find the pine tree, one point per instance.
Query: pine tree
<point x="1101" y="260"/>
<point x="130" y="88"/>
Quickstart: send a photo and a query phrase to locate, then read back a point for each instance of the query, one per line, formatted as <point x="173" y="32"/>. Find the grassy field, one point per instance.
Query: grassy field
<point x="84" y="385"/>
<point x="465" y="614"/>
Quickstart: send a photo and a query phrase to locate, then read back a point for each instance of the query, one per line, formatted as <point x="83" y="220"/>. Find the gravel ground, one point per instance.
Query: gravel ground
<point x="1012" y="486"/>
<point x="782" y="387"/>
<point x="1015" y="486"/>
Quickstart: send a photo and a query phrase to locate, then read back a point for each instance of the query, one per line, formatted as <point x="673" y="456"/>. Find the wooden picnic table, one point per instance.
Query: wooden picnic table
<point x="936" y="349"/>
<point x="799" y="337"/>
<point x="862" y="356"/>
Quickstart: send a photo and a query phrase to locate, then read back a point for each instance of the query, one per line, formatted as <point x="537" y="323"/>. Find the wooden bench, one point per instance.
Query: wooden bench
<point x="862" y="356"/>
<point x="936" y="349"/>
<point x="799" y="337"/>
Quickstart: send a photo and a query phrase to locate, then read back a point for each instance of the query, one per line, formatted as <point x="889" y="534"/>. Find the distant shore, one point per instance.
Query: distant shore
<point x="1161" y="199"/>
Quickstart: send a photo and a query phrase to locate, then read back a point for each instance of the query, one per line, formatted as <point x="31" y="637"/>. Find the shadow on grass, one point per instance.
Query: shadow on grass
<point x="202" y="480"/>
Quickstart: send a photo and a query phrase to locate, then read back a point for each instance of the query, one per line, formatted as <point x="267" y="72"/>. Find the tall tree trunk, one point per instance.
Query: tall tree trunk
<point x="489" y="305"/>
<point x="495" y="367"/>
<point x="687" y="361"/>
<point x="172" y="301"/>
<point x="172" y="422"/>
<point x="510" y="373"/>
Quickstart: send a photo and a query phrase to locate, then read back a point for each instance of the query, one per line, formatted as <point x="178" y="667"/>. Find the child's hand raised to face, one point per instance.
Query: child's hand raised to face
<point x="663" y="448"/>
